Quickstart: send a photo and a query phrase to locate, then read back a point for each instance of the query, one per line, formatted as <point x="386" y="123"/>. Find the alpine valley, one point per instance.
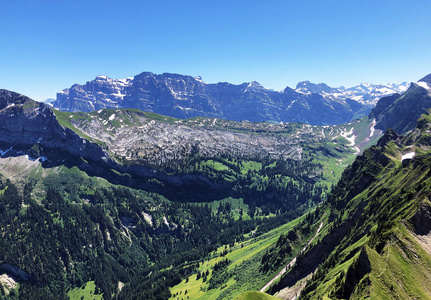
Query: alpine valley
<point x="152" y="188"/>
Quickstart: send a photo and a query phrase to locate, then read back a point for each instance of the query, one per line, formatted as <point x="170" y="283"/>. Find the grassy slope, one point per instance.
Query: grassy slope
<point x="86" y="292"/>
<point x="243" y="270"/>
<point x="254" y="296"/>
<point x="399" y="267"/>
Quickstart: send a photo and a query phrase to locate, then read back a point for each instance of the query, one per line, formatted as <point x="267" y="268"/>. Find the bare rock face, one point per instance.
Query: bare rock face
<point x="171" y="95"/>
<point x="355" y="273"/>
<point x="24" y="122"/>
<point x="422" y="219"/>
<point x="160" y="142"/>
<point x="182" y="96"/>
<point x="102" y="92"/>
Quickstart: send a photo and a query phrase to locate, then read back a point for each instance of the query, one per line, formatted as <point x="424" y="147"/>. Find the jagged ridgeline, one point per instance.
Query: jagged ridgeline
<point x="123" y="203"/>
<point x="376" y="237"/>
<point x="184" y="96"/>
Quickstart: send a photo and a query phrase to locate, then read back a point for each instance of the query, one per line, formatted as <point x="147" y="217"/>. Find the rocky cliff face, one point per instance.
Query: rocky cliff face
<point x="102" y="92"/>
<point x="401" y="112"/>
<point x="185" y="96"/>
<point x="24" y="122"/>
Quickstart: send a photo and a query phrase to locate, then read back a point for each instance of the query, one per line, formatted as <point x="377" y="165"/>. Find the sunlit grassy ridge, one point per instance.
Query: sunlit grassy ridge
<point x="254" y="296"/>
<point x="381" y="204"/>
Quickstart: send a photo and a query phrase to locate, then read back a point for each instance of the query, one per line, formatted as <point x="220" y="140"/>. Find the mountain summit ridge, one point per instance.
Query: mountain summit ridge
<point x="184" y="96"/>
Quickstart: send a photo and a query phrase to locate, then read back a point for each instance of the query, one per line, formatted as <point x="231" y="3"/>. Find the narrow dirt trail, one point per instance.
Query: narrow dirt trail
<point x="291" y="263"/>
<point x="188" y="284"/>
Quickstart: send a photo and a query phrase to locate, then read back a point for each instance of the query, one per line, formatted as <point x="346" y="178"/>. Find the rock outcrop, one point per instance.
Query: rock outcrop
<point x="24" y="122"/>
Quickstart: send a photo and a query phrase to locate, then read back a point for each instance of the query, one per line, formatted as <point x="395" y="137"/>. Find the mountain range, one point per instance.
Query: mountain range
<point x="183" y="96"/>
<point x="119" y="203"/>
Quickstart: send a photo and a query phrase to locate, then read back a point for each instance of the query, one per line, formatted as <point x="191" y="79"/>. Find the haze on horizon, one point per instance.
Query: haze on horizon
<point x="49" y="45"/>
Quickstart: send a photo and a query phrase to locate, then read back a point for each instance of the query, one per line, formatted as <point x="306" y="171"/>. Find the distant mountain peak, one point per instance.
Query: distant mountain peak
<point x="254" y="85"/>
<point x="426" y="79"/>
<point x="102" y="77"/>
<point x="309" y="87"/>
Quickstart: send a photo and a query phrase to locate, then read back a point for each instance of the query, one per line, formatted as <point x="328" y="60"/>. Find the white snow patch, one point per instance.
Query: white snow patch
<point x="10" y="105"/>
<point x="350" y="137"/>
<point x="409" y="155"/>
<point x="118" y="95"/>
<point x="424" y="85"/>
<point x="111" y="117"/>
<point x="99" y="111"/>
<point x="183" y="108"/>
<point x="290" y="105"/>
<point x="126" y="80"/>
<point x="165" y="221"/>
<point x="372" y="129"/>
<point x="4" y="152"/>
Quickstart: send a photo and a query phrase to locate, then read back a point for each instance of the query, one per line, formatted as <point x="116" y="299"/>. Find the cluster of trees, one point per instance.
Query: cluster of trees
<point x="276" y="187"/>
<point x="219" y="277"/>
<point x="67" y="229"/>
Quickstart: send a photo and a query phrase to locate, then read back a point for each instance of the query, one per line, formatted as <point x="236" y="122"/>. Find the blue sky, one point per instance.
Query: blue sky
<point x="46" y="46"/>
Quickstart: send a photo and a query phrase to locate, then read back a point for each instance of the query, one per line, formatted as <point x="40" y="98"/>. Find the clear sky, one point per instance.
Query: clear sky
<point x="46" y="46"/>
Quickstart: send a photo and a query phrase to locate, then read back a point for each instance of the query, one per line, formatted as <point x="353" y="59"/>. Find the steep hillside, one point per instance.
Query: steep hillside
<point x="24" y="122"/>
<point x="375" y="240"/>
<point x="401" y="112"/>
<point x="183" y="97"/>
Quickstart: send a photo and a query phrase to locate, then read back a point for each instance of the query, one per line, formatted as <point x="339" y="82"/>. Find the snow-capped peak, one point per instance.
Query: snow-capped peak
<point x="365" y="93"/>
<point x="102" y="77"/>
